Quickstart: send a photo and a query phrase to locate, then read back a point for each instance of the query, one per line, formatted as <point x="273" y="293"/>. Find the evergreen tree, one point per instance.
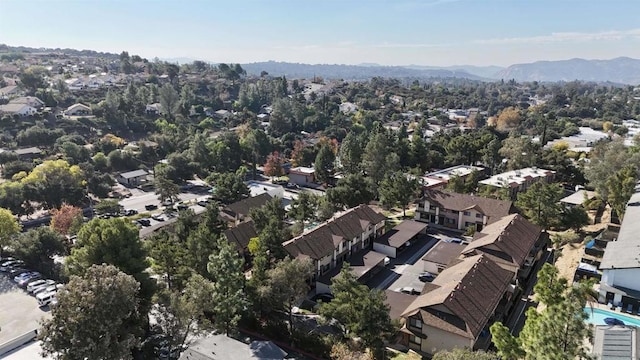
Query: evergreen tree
<point x="324" y="164"/>
<point x="540" y="203"/>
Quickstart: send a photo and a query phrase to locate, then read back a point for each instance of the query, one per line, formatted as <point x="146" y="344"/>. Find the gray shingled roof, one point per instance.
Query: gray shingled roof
<point x="625" y="252"/>
<point x="243" y="206"/>
<point x="241" y="235"/>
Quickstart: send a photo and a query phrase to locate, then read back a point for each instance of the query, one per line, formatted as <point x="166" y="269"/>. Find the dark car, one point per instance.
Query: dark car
<point x="182" y="207"/>
<point x="203" y="203"/>
<point x="144" y="222"/>
<point x="426" y="277"/>
<point x="130" y="212"/>
<point x="150" y="207"/>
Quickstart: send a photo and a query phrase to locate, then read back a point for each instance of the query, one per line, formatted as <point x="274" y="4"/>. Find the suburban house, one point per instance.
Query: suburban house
<point x="302" y="175"/>
<point x="78" y="110"/>
<point x="620" y="266"/>
<point x="457" y="308"/>
<point x="75" y="84"/>
<point x="17" y="109"/>
<point x="348" y="108"/>
<point x="32" y="101"/>
<point x="439" y="179"/>
<point x="153" y="109"/>
<point x="239" y="210"/>
<point x="259" y="187"/>
<point x="519" y="180"/>
<point x="28" y="153"/>
<point x="398" y="238"/>
<point x="221" y="347"/>
<point x="336" y="240"/>
<point x="240" y="236"/>
<point x="578" y="198"/>
<point x="132" y="178"/>
<point x="460" y="211"/>
<point x="9" y="91"/>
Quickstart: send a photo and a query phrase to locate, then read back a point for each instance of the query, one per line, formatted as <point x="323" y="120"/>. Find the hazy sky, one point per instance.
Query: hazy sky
<point x="390" y="32"/>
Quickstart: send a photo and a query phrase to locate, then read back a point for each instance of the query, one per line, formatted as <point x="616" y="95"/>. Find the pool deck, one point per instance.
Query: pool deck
<point x="596" y="305"/>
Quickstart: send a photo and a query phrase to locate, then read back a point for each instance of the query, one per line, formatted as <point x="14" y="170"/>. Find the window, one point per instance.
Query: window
<point x="455" y="212"/>
<point x="415" y="340"/>
<point x="416" y="323"/>
<point x="467" y="213"/>
<point x="478" y="215"/>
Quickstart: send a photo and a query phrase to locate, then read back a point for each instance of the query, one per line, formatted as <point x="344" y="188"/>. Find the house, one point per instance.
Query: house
<point x="336" y="240"/>
<point x="519" y="180"/>
<point x="221" y="347"/>
<point x="28" y="153"/>
<point x="578" y="198"/>
<point x="78" y="110"/>
<point x="132" y="178"/>
<point x="240" y="236"/>
<point x="75" y="84"/>
<point x="398" y="238"/>
<point x="9" y="91"/>
<point x="259" y="187"/>
<point x="620" y="266"/>
<point x="441" y="255"/>
<point x="32" y="101"/>
<point x="222" y="114"/>
<point x="348" y="108"/>
<point x="512" y="242"/>
<point x="456" y="309"/>
<point x="460" y="211"/>
<point x="153" y="109"/>
<point x="239" y="210"/>
<point x="17" y="109"/>
<point x="302" y="175"/>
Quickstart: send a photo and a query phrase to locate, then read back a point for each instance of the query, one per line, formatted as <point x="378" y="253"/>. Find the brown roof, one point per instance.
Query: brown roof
<point x="510" y="238"/>
<point x="322" y="241"/>
<point x="492" y="208"/>
<point x="397" y="303"/>
<point x="360" y="264"/>
<point x="444" y="252"/>
<point x="243" y="206"/>
<point x="402" y="233"/>
<point x="241" y="235"/>
<point x="469" y="291"/>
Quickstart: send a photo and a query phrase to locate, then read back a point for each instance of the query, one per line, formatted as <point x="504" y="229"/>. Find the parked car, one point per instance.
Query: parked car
<point x="203" y="203"/>
<point x="182" y="207"/>
<point x="150" y="207"/>
<point x="144" y="222"/>
<point x="292" y="186"/>
<point x="408" y="290"/>
<point x="50" y="288"/>
<point x="130" y="212"/>
<point x="45" y="298"/>
<point x="32" y="287"/>
<point x="28" y="280"/>
<point x="8" y="265"/>
<point x="158" y="217"/>
<point x="426" y="277"/>
<point x="25" y="275"/>
<point x="17" y="271"/>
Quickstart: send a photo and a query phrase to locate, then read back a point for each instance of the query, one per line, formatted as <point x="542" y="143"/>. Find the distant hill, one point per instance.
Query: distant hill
<point x="352" y="72"/>
<point x="487" y="72"/>
<point x="622" y="70"/>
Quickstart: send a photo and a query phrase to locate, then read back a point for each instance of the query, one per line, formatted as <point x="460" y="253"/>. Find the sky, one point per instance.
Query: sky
<point x="389" y="32"/>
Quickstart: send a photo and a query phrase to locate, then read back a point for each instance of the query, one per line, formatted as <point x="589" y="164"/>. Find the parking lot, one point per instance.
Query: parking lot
<point x="19" y="312"/>
<point x="403" y="271"/>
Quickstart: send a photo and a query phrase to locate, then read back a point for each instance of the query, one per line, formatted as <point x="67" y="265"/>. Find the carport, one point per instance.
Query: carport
<point x="363" y="265"/>
<point x="391" y="242"/>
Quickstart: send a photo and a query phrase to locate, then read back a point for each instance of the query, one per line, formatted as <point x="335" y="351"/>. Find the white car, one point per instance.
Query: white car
<point x="45" y="298"/>
<point x="41" y="284"/>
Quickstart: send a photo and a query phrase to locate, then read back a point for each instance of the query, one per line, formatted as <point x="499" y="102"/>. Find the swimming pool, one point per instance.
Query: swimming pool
<point x="597" y="316"/>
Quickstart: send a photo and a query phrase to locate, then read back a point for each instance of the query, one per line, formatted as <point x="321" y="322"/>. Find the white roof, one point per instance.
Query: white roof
<point x="303" y="170"/>
<point x="516" y="177"/>
<point x="460" y="170"/>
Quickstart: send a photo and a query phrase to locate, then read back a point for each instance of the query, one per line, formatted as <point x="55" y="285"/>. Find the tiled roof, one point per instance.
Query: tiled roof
<point x="241" y="235"/>
<point x="510" y="238"/>
<point x="469" y="291"/>
<point x="243" y="206"/>
<point x="322" y="241"/>
<point x="493" y="208"/>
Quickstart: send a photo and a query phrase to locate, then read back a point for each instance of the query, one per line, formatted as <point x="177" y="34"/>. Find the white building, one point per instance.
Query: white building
<point x="519" y="180"/>
<point x="17" y="109"/>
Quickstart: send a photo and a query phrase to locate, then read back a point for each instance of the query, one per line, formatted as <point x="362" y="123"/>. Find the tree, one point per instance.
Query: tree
<point x="520" y="152"/>
<point x="465" y="354"/>
<point x="540" y="203"/>
<point x="304" y="207"/>
<point x="508" y="119"/>
<point x="606" y="159"/>
<point x="9" y="227"/>
<point x="226" y="269"/>
<point x="170" y="100"/>
<point x="230" y="187"/>
<point x="620" y="188"/>
<point x="37" y="247"/>
<point x="351" y="191"/>
<point x="115" y="242"/>
<point x="66" y="220"/>
<point x="398" y="189"/>
<point x="169" y="259"/>
<point x="33" y="78"/>
<point x="55" y="182"/>
<point x="166" y="189"/>
<point x="350" y="153"/>
<point x="342" y="351"/>
<point x="273" y="166"/>
<point x="361" y="311"/>
<point x="507" y="345"/>
<point x="575" y="218"/>
<point x="374" y="160"/>
<point x="287" y="283"/>
<point x="95" y="317"/>
<point x="108" y="206"/>
<point x="324" y="163"/>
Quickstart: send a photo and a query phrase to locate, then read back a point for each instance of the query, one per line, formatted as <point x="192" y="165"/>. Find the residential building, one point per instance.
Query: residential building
<point x="132" y="178"/>
<point x="28" y="153"/>
<point x="348" y="108"/>
<point x="398" y="238"/>
<point x="75" y="84"/>
<point x="456" y="309"/>
<point x="460" y="211"/>
<point x="221" y="347"/>
<point x="153" y="109"/>
<point x="441" y="255"/>
<point x="578" y="198"/>
<point x="519" y="180"/>
<point x="78" y="110"/>
<point x="440" y="178"/>
<point x="9" y="91"/>
<point x="239" y="210"/>
<point x="620" y="266"/>
<point x="17" y="109"/>
<point x="364" y="265"/>
<point x="302" y="175"/>
<point x="32" y="101"/>
<point x="333" y="242"/>
<point x="240" y="236"/>
<point x="259" y="187"/>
